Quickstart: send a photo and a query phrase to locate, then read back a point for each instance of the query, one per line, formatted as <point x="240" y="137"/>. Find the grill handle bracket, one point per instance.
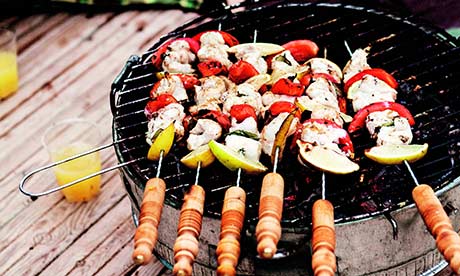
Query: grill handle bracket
<point x="117" y="84"/>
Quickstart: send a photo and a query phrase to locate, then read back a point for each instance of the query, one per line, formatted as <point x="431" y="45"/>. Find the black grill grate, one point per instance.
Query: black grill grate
<point x="424" y="60"/>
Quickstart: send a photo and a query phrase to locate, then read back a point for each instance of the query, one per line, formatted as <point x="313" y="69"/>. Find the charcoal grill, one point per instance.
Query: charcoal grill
<point x="378" y="229"/>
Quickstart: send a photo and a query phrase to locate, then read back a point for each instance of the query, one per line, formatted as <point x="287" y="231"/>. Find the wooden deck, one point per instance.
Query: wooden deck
<point x="66" y="66"/>
<point x="67" y="63"/>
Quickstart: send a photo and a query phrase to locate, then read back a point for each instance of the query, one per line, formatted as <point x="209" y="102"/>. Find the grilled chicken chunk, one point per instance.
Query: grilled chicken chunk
<point x="204" y="131"/>
<point x="163" y="118"/>
<point x="249" y="124"/>
<point x="172" y="85"/>
<point x="243" y="94"/>
<point x="213" y="47"/>
<point x="322" y="92"/>
<point x="370" y="90"/>
<point x="178" y="58"/>
<point x="356" y="64"/>
<point x="252" y="55"/>
<point x="317" y="134"/>
<point x="387" y="127"/>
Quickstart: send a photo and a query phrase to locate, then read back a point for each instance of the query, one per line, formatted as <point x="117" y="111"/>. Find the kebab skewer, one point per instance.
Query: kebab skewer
<point x="324" y="145"/>
<point x="165" y="113"/>
<point x="389" y="123"/>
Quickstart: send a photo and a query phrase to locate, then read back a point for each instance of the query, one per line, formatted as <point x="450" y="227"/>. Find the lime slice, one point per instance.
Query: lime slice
<point x="353" y="89"/>
<point x="202" y="154"/>
<point x="326" y="160"/>
<point x="234" y="160"/>
<point x="163" y="142"/>
<point x="396" y="154"/>
<point x="264" y="48"/>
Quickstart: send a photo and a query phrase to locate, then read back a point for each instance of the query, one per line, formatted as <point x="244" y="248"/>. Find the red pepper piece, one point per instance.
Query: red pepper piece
<point x="189" y="81"/>
<point x="212" y="68"/>
<point x="287" y="87"/>
<point x="342" y="104"/>
<point x="283" y="106"/>
<point x="157" y="57"/>
<point x="229" y="39"/>
<point x="376" y="72"/>
<point x="242" y="111"/>
<point x="345" y="143"/>
<point x="302" y="50"/>
<point x="160" y="102"/>
<point x="166" y="99"/>
<point x="219" y="117"/>
<point x="241" y="71"/>
<point x="359" y="120"/>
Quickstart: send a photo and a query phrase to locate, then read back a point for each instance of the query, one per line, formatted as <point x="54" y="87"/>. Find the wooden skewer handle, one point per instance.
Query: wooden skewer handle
<point x="149" y="218"/>
<point x="323" y="240"/>
<point x="228" y="248"/>
<point x="186" y="246"/>
<point x="439" y="225"/>
<point x="268" y="230"/>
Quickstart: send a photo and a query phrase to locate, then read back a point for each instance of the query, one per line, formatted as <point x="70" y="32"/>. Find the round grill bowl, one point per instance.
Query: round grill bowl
<point x="378" y="228"/>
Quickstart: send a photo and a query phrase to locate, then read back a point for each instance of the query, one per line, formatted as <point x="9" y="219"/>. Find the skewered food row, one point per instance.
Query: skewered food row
<point x="389" y="124"/>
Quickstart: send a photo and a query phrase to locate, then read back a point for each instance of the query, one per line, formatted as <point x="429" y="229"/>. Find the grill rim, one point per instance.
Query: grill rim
<point x="418" y="23"/>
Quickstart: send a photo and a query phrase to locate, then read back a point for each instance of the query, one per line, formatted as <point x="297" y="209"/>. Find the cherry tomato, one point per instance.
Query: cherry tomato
<point x="376" y="72"/>
<point x="287" y="87"/>
<point x="211" y="68"/>
<point x="157" y="57"/>
<point x="241" y="71"/>
<point x="242" y="111"/>
<point x="359" y="120"/>
<point x="302" y="50"/>
<point x="229" y="39"/>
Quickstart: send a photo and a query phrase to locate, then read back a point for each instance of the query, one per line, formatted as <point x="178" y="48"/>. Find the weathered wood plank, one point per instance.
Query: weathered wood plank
<point x="35" y="32"/>
<point x="45" y="52"/>
<point x="56" y="231"/>
<point x="121" y="263"/>
<point x="97" y="245"/>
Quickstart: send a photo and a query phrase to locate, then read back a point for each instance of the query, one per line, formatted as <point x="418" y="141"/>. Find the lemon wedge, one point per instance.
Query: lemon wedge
<point x="202" y="154"/>
<point x="326" y="160"/>
<point x="396" y="154"/>
<point x="264" y="48"/>
<point x="234" y="160"/>
<point x="163" y="142"/>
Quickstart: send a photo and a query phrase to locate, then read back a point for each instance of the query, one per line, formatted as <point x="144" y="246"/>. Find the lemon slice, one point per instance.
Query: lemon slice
<point x="163" y="142"/>
<point x="258" y="80"/>
<point x="264" y="48"/>
<point x="396" y="154"/>
<point x="202" y="154"/>
<point x="234" y="160"/>
<point x="326" y="160"/>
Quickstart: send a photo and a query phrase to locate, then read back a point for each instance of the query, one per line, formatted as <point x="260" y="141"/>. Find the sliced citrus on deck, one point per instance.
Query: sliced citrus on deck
<point x="202" y="154"/>
<point x="396" y="154"/>
<point x="264" y="48"/>
<point x="326" y="160"/>
<point x="163" y="142"/>
<point x="234" y="160"/>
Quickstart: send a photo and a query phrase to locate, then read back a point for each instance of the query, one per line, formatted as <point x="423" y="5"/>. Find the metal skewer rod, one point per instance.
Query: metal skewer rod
<point x="409" y="169"/>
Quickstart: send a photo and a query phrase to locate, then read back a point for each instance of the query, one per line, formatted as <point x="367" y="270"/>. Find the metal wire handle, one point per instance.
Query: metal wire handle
<point x="54" y="164"/>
